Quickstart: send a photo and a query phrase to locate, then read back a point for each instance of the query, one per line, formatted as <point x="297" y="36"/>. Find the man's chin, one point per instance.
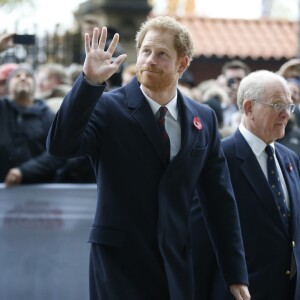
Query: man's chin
<point x="147" y="82"/>
<point x="152" y="87"/>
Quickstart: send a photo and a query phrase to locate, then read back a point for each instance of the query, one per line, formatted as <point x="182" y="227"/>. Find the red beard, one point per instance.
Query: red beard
<point x="155" y="79"/>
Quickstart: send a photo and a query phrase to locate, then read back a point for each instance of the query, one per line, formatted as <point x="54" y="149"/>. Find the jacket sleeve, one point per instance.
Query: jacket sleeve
<point x="41" y="168"/>
<point x="68" y="136"/>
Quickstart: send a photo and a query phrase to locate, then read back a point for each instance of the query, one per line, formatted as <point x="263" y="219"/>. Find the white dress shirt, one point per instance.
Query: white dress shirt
<point x="258" y="147"/>
<point x="172" y="122"/>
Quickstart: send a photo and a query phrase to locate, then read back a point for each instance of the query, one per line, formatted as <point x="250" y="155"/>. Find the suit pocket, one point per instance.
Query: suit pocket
<point x="199" y="150"/>
<point x="106" y="236"/>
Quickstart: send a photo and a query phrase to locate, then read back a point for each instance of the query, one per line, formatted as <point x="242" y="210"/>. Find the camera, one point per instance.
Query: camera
<point x="233" y="81"/>
<point x="24" y="39"/>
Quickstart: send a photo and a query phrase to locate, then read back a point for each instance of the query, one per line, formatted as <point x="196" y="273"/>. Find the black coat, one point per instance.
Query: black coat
<point x="23" y="132"/>
<point x="140" y="238"/>
<point x="268" y="244"/>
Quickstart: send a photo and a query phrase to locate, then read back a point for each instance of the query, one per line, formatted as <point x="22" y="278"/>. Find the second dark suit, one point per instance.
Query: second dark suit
<point x="268" y="244"/>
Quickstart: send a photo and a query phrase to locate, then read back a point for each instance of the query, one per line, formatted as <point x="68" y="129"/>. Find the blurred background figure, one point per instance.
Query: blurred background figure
<point x="291" y="137"/>
<point x="88" y="23"/>
<point x="24" y="123"/>
<point x="233" y="72"/>
<point x="5" y="70"/>
<point x="186" y="83"/>
<point x="53" y="83"/>
<point x="294" y="86"/>
<point x="215" y="97"/>
<point x="73" y="71"/>
<point x="291" y="71"/>
<point x="200" y="89"/>
<point x="128" y="73"/>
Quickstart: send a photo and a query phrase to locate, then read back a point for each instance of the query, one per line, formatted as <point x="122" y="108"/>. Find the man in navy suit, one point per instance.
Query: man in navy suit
<point x="271" y="235"/>
<point x="141" y="237"/>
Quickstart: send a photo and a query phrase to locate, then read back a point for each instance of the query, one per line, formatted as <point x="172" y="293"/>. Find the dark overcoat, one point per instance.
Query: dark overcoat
<point x="141" y="236"/>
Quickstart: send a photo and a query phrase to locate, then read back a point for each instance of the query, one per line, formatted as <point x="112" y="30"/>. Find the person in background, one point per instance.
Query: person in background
<point x="267" y="193"/>
<point x="74" y="70"/>
<point x="52" y="84"/>
<point x="186" y="84"/>
<point x="151" y="148"/>
<point x="5" y="70"/>
<point x="24" y="123"/>
<point x="233" y="72"/>
<point x="87" y="25"/>
<point x="200" y="89"/>
<point x="214" y="96"/>
<point x="291" y="138"/>
<point x="129" y="73"/>
<point x="290" y="70"/>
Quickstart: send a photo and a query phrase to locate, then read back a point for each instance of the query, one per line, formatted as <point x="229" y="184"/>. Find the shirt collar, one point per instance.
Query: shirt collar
<point x="171" y="106"/>
<point x="256" y="144"/>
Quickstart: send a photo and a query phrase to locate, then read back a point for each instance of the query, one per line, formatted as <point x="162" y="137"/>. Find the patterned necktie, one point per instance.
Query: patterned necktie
<point x="276" y="186"/>
<point x="164" y="135"/>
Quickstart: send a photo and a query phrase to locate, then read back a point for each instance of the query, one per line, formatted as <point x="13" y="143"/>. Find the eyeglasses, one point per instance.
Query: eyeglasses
<point x="279" y="106"/>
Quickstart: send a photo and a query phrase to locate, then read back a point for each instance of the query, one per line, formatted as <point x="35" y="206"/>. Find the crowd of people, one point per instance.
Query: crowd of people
<point x="28" y="104"/>
<point x="187" y="204"/>
<point x="52" y="81"/>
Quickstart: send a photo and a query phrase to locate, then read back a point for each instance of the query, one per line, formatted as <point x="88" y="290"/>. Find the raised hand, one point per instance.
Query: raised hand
<point x="6" y="41"/>
<point x="98" y="65"/>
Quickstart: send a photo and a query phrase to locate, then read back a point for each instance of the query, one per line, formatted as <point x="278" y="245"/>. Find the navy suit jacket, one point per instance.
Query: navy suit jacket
<point x="141" y="237"/>
<point x="268" y="244"/>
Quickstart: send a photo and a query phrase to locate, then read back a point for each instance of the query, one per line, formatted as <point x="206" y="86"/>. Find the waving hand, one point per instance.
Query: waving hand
<point x="98" y="65"/>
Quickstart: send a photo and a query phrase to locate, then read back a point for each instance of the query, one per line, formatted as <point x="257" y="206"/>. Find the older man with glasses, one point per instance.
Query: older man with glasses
<point x="266" y="181"/>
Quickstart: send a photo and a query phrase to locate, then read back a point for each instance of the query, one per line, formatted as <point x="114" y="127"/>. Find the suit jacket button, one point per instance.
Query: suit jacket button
<point x="288" y="272"/>
<point x="293" y="244"/>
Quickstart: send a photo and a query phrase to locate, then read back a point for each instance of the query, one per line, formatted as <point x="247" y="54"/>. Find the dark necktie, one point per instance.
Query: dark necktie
<point x="164" y="135"/>
<point x="276" y="186"/>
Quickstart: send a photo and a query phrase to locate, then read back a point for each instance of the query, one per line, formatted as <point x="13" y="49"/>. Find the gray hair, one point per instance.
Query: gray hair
<point x="253" y="86"/>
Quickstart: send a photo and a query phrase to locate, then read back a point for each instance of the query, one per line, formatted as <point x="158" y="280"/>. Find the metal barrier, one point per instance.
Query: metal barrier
<point x="44" y="252"/>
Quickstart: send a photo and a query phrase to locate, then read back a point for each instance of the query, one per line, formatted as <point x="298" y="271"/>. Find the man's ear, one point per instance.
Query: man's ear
<point x="183" y="64"/>
<point x="248" y="106"/>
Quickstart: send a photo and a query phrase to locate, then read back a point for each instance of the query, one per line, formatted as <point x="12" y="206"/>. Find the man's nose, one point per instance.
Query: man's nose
<point x="285" y="110"/>
<point x="151" y="59"/>
<point x="23" y="76"/>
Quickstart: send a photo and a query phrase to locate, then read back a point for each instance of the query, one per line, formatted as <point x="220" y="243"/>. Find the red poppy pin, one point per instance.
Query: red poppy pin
<point x="289" y="167"/>
<point x="197" y="123"/>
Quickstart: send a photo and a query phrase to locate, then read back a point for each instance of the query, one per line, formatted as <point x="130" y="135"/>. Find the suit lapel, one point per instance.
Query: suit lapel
<point x="141" y="111"/>
<point x="291" y="184"/>
<point x="188" y="131"/>
<point x="256" y="178"/>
